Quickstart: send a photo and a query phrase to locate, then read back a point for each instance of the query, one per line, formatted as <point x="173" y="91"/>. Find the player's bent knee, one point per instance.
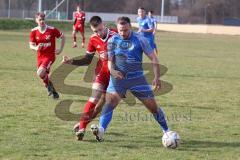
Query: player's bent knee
<point x="151" y="105"/>
<point x="93" y="100"/>
<point x="41" y="72"/>
<point x="97" y="87"/>
<point x="112" y="98"/>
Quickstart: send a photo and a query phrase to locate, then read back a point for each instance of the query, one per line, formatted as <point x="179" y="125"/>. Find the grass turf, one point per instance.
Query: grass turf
<point x="203" y="105"/>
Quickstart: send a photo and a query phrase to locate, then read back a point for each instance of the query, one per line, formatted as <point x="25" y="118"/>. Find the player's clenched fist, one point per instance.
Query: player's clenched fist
<point x="156" y="84"/>
<point x="117" y="74"/>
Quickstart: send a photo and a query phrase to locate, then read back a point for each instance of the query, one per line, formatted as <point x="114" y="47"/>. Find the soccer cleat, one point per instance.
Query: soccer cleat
<point x="80" y="134"/>
<point x="49" y="90"/>
<point x="55" y="95"/>
<point x="76" y="127"/>
<point x="74" y="45"/>
<point x="97" y="132"/>
<point x="82" y="44"/>
<point x="52" y="91"/>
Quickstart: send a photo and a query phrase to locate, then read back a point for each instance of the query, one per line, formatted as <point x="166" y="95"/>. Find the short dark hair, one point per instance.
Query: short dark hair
<point x="95" y="21"/>
<point x="151" y="11"/>
<point x="40" y="14"/>
<point x="123" y="20"/>
<point x="141" y="8"/>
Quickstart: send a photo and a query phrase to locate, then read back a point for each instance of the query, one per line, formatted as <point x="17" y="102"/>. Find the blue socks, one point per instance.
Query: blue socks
<point x="107" y="111"/>
<point x="160" y="118"/>
<point x="106" y="116"/>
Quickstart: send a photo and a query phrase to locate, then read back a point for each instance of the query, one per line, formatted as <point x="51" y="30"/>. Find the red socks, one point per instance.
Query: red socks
<point x="74" y="38"/>
<point x="45" y="80"/>
<point x="87" y="115"/>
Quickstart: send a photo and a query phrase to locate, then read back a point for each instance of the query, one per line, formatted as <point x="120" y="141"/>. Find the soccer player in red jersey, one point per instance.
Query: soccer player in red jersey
<point x="97" y="43"/>
<point x="79" y="20"/>
<point x="43" y="40"/>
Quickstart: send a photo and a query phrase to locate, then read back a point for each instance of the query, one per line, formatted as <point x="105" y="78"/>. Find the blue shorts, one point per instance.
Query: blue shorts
<point x="152" y="43"/>
<point x="139" y="87"/>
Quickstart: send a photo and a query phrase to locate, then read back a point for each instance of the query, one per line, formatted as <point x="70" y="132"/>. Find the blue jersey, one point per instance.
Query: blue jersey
<point x="145" y="23"/>
<point x="153" y="20"/>
<point x="126" y="54"/>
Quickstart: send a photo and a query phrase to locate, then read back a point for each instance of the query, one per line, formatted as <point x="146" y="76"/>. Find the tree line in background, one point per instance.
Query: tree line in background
<point x="205" y="11"/>
<point x="188" y="11"/>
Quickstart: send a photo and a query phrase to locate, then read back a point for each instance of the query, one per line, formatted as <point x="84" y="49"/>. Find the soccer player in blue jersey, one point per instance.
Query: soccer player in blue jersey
<point x="153" y="20"/>
<point x="146" y="27"/>
<point x="125" y="51"/>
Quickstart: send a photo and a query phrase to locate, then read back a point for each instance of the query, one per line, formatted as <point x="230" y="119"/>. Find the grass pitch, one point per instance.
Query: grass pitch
<point x="203" y="105"/>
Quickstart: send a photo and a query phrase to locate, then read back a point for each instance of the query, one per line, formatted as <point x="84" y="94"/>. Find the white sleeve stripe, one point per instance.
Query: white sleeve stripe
<point x="90" y="52"/>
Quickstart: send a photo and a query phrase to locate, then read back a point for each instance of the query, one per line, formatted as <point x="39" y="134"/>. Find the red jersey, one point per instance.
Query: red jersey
<point x="47" y="39"/>
<point x="98" y="44"/>
<point x="79" y="17"/>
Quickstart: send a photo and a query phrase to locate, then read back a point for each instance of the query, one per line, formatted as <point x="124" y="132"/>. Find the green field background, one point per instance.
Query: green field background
<point x="203" y="105"/>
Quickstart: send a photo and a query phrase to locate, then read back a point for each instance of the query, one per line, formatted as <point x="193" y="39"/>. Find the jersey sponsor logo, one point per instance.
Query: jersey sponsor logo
<point x="45" y="44"/>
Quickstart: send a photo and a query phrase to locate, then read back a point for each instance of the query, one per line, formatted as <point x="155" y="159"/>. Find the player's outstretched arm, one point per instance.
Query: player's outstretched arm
<point x="147" y="30"/>
<point x="156" y="70"/>
<point x="86" y="60"/>
<point x="58" y="51"/>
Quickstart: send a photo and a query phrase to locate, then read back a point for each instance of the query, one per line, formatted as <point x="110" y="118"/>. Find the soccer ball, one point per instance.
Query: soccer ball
<point x="94" y="128"/>
<point x="171" y="140"/>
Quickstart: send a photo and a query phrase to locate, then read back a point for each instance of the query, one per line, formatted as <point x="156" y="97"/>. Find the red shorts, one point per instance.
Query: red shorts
<point x="45" y="62"/>
<point x="102" y="77"/>
<point x="79" y="27"/>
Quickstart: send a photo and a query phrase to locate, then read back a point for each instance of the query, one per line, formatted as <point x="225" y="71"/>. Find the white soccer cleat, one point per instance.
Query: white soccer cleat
<point x="82" y="44"/>
<point x="98" y="132"/>
<point x="74" y="45"/>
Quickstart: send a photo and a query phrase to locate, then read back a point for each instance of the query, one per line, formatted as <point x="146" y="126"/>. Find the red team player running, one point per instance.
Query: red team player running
<point x="97" y="43"/>
<point x="79" y="20"/>
<point x="43" y="40"/>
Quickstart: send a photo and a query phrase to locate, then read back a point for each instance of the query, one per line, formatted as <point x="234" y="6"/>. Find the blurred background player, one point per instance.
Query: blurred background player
<point x="154" y="21"/>
<point x="146" y="27"/>
<point x="97" y="43"/>
<point x="79" y="20"/>
<point x="43" y="40"/>
<point x="125" y="53"/>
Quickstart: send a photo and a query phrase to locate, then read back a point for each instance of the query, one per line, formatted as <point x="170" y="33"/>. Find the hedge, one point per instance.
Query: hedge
<point x="14" y="24"/>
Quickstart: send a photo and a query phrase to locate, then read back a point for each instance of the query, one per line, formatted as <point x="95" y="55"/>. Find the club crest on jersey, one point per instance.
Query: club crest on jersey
<point x="98" y="46"/>
<point x="48" y="37"/>
<point x="126" y="45"/>
<point x="103" y="55"/>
